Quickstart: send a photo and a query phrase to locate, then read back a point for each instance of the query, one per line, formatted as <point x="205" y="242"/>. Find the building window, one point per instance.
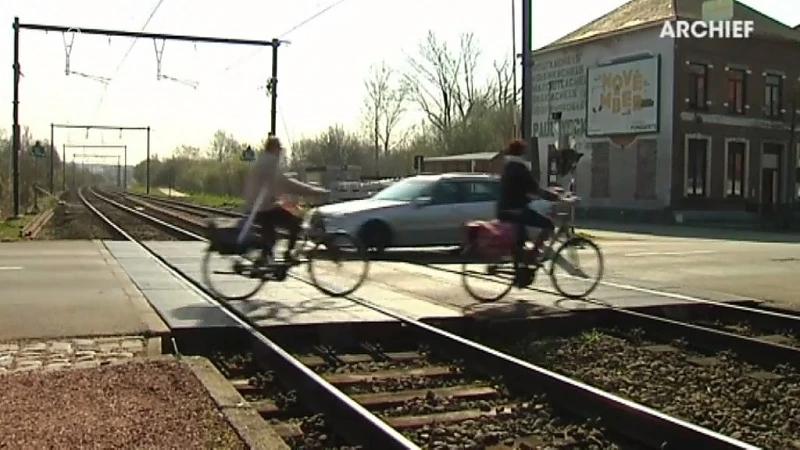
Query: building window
<point x="698" y="82"/>
<point x="797" y="172"/>
<point x="646" y="162"/>
<point x="696" y="167"/>
<point x="735" y="171"/>
<point x="737" y="83"/>
<point x="772" y="95"/>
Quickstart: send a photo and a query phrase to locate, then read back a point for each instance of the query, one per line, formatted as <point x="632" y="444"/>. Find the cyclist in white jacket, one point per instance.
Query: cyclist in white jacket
<point x="267" y="174"/>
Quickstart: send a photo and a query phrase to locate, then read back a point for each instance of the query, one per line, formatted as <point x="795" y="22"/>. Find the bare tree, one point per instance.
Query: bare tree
<point x="186" y="152"/>
<point x="223" y="146"/>
<point x="443" y="83"/>
<point x="501" y="87"/>
<point x="384" y="106"/>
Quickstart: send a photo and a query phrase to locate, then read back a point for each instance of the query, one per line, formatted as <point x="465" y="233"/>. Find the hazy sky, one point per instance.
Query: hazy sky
<point x="321" y="72"/>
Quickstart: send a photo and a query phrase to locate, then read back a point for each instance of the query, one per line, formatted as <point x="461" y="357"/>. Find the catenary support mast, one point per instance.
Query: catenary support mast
<point x="16" y="141"/>
<point x="84" y="147"/>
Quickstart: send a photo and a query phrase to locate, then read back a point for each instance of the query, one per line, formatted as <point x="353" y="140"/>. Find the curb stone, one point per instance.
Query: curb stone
<point x="249" y="425"/>
<point x="66" y="353"/>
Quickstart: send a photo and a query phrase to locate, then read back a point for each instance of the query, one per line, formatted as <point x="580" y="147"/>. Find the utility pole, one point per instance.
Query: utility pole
<point x="16" y="138"/>
<point x="791" y="179"/>
<point x="514" y="62"/>
<point x="52" y="158"/>
<point x="147" y="166"/>
<point x="527" y="88"/>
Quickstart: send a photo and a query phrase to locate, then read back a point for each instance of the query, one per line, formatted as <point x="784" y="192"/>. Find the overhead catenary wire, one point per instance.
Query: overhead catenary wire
<point x="127" y="53"/>
<point x="283" y="35"/>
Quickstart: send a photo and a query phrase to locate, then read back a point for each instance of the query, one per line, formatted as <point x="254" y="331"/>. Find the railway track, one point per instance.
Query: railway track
<point x="460" y="381"/>
<point x="750" y="320"/>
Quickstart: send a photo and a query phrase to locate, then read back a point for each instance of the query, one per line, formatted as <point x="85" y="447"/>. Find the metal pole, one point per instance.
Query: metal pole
<point x="64" y="167"/>
<point x="514" y="61"/>
<point x="527" y="89"/>
<point x="74" y="175"/>
<point x="142" y="35"/>
<point x="35" y="179"/>
<point x="16" y="143"/>
<point x="273" y="113"/>
<point x="68" y="126"/>
<point x="119" y="172"/>
<point x="125" y="166"/>
<point x="147" y="164"/>
<point x="52" y="159"/>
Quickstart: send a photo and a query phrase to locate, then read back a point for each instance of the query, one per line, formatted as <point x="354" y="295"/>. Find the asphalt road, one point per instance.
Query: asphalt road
<point x="764" y="266"/>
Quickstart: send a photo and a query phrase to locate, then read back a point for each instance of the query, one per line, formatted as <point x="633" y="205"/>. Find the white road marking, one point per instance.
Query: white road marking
<point x="687" y="253"/>
<point x="10" y="268"/>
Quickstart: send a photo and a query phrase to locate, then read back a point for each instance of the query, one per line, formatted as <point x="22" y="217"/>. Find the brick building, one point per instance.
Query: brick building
<point x="713" y="141"/>
<point x="733" y="116"/>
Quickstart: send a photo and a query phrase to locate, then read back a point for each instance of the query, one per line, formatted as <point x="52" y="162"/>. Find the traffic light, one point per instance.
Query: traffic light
<point x="567" y="160"/>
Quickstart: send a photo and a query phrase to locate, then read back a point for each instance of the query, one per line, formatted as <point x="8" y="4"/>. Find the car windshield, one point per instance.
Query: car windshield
<point x="404" y="191"/>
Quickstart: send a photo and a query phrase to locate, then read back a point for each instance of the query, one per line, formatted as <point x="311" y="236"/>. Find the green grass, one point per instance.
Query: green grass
<point x="197" y="197"/>
<point x="214" y="200"/>
<point x="10" y="228"/>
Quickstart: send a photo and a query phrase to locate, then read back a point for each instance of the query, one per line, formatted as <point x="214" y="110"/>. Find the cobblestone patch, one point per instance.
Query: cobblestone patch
<point x="79" y="353"/>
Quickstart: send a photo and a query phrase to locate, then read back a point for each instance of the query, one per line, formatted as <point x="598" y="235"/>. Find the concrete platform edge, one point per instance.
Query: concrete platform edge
<point x="249" y="425"/>
<point x="155" y="325"/>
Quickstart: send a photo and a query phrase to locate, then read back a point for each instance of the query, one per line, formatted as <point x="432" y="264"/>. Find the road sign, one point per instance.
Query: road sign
<point x="419" y="163"/>
<point x="37" y="150"/>
<point x="248" y="154"/>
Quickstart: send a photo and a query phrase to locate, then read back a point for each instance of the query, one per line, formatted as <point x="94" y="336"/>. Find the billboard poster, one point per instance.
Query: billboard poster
<point x="623" y="98"/>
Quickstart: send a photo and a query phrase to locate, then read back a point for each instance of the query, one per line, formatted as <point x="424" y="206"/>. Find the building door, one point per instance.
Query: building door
<point x="769" y="190"/>
<point x="771" y="178"/>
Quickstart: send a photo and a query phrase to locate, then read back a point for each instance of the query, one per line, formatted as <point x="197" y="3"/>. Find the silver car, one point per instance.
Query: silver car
<point x="423" y="210"/>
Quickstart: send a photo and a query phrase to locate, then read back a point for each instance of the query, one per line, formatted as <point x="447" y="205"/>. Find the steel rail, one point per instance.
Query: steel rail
<point x="775" y="319"/>
<point x="639" y="422"/>
<point x="349" y="418"/>
<point x="757" y="350"/>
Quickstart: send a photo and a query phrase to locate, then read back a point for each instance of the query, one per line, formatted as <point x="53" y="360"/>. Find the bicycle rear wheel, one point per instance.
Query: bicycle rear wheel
<point x="582" y="263"/>
<point x="487" y="279"/>
<point x="231" y="277"/>
<point x="338" y="264"/>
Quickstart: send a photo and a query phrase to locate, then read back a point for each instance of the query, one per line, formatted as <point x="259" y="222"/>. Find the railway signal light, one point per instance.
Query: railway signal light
<point x="567" y="160"/>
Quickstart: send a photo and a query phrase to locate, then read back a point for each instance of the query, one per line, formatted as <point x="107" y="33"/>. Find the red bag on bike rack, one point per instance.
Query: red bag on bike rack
<point x="489" y="239"/>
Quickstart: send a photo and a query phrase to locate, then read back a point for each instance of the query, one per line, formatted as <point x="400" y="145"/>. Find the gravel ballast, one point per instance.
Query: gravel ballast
<point x="509" y="419"/>
<point x="136" y="226"/>
<point x="155" y="404"/>
<point x="720" y="392"/>
<point x="72" y="220"/>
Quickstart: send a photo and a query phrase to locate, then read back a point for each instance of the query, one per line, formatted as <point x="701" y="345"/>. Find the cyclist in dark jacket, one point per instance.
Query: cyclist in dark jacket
<point x="517" y="189"/>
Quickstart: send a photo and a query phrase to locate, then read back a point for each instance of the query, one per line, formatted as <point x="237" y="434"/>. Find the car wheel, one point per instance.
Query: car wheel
<point x="375" y="235"/>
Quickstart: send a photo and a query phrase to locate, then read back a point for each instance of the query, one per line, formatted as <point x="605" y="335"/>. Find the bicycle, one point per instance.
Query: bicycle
<point x="251" y="261"/>
<point x="497" y="251"/>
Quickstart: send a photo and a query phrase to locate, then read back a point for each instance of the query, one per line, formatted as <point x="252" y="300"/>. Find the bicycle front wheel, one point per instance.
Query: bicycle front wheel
<point x="577" y="268"/>
<point x="338" y="264"/>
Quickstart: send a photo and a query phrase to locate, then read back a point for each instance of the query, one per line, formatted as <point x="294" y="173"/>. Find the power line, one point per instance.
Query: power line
<point x="127" y="53"/>
<point x="285" y="33"/>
